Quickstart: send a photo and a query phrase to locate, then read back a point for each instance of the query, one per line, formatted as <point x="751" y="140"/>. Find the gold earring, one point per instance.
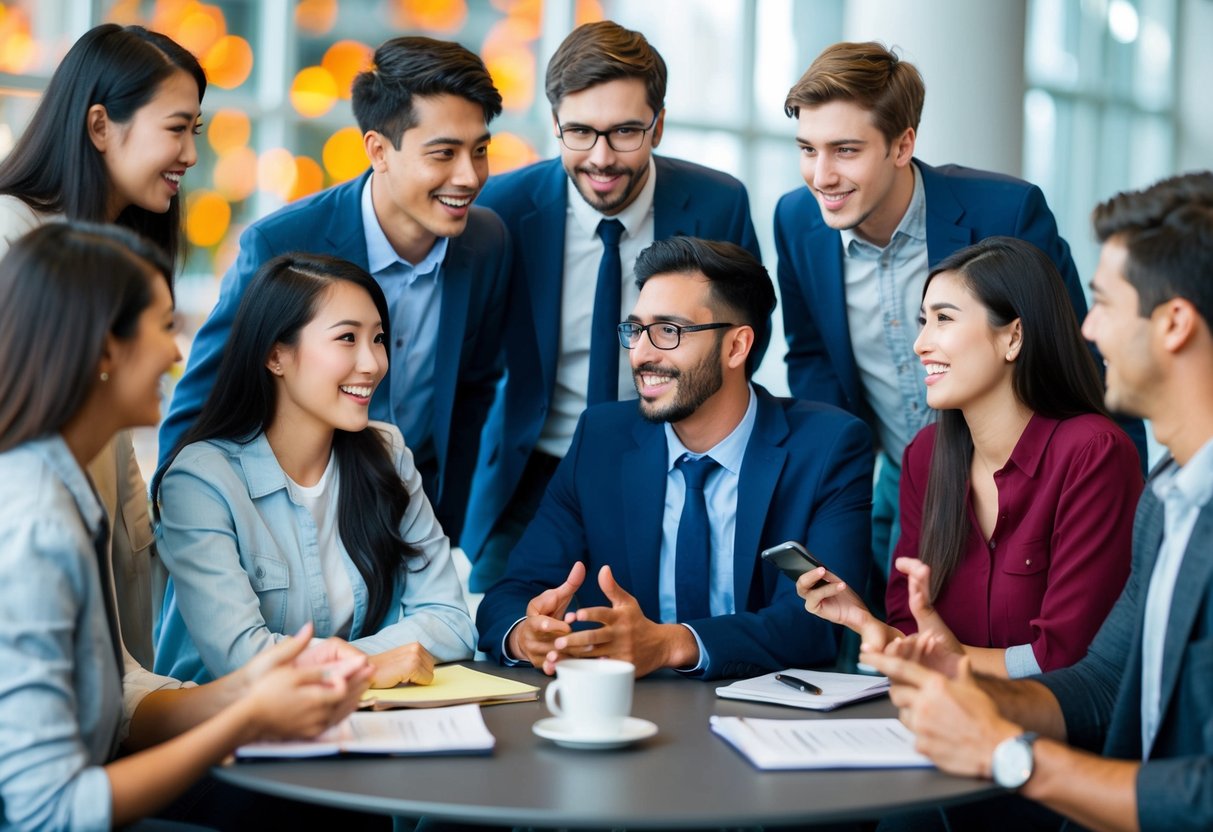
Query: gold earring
<point x="105" y="376"/>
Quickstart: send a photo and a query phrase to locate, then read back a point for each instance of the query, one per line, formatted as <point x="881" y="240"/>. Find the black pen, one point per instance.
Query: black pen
<point x="800" y="684"/>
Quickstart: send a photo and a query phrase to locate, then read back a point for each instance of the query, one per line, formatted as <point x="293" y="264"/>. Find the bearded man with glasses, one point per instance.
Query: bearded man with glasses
<point x="646" y="544"/>
<point x="578" y="223"/>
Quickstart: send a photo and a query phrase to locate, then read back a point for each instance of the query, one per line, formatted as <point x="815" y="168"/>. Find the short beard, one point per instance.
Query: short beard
<point x="695" y="386"/>
<point x="610" y="204"/>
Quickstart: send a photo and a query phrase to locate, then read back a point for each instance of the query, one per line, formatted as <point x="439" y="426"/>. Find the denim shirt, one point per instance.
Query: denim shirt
<point x="60" y="690"/>
<point x="246" y="570"/>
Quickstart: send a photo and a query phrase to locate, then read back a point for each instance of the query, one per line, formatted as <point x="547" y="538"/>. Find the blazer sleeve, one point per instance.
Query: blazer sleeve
<point x="477" y="386"/>
<point x="553" y="541"/>
<point x="207" y="350"/>
<point x="811" y="376"/>
<point x="837" y="527"/>
<point x="431" y="609"/>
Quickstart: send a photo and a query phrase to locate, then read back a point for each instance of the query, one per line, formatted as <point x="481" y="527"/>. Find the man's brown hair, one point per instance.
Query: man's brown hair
<point x="891" y="89"/>
<point x="595" y="53"/>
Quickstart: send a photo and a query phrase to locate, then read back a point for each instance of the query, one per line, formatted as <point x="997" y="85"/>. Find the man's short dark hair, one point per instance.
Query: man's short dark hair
<point x="739" y="282"/>
<point x="405" y="67"/>
<point x="1167" y="230"/>
<point x="595" y="53"/>
<point x="868" y="74"/>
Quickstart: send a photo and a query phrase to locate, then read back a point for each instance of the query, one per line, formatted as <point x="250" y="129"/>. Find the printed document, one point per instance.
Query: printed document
<point x="837" y="689"/>
<point x="820" y="743"/>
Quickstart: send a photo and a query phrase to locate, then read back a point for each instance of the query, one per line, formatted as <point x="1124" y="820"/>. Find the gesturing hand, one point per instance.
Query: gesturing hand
<point x="532" y="638"/>
<point x="837" y="603"/>
<point x="930" y="623"/>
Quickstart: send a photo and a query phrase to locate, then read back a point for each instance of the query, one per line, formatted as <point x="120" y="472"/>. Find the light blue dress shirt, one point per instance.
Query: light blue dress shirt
<point x="1184" y="492"/>
<point x="414" y="301"/>
<point x="246" y="570"/>
<point x="60" y="688"/>
<point x="720" y="494"/>
<point x="884" y="294"/>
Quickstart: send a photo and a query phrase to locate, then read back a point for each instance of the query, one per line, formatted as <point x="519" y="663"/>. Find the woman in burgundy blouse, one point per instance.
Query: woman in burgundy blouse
<point x="1017" y="505"/>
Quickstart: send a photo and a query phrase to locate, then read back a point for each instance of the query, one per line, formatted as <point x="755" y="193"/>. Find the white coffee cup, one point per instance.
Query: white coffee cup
<point x="592" y="697"/>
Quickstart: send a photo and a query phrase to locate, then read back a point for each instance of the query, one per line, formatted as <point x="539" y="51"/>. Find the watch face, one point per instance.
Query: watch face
<point x="1012" y="762"/>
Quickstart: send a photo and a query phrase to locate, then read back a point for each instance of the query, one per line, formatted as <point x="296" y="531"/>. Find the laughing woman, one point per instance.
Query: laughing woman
<point x="85" y="336"/>
<point x="284" y="504"/>
<point x="1017" y="505"/>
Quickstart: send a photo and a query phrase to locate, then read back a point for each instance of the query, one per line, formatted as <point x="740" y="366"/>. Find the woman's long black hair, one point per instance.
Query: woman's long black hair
<point x="1054" y="375"/>
<point x="54" y="166"/>
<point x="282" y="299"/>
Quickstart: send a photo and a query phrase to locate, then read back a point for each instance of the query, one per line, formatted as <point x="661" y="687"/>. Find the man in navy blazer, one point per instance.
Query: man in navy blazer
<point x="616" y="530"/>
<point x="1122" y="739"/>
<point x="606" y="85"/>
<point x="424" y="111"/>
<point x="856" y="245"/>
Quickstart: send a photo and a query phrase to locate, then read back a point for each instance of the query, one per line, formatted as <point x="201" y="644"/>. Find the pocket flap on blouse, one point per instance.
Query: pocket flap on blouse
<point x="1028" y="558"/>
<point x="267" y="572"/>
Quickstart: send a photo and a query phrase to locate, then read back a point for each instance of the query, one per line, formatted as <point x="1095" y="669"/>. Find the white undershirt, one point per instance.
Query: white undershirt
<point x="321" y="502"/>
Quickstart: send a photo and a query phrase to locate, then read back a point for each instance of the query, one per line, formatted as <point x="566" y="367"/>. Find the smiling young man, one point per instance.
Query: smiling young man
<point x="855" y="247"/>
<point x="424" y="110"/>
<point x="1121" y="740"/>
<point x="577" y="224"/>
<point x="652" y="526"/>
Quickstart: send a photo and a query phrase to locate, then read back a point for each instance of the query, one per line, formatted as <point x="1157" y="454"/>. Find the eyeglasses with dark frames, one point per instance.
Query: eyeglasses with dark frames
<point x="662" y="334"/>
<point x="622" y="139"/>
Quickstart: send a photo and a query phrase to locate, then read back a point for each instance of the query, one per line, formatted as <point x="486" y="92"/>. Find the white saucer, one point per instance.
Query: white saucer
<point x="557" y="731"/>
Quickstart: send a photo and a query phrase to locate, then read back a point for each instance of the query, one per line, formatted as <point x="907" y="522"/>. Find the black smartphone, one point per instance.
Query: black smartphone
<point x="793" y="560"/>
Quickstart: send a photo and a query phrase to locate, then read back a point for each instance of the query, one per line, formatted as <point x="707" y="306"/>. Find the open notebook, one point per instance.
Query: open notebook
<point x="838" y="689"/>
<point x="453" y="685"/>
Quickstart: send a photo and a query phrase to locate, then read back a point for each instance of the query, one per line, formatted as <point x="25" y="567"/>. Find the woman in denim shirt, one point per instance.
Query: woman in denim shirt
<point x="284" y="504"/>
<point x="70" y="378"/>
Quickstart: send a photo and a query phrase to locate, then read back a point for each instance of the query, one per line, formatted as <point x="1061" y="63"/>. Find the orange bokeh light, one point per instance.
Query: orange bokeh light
<point x="309" y="178"/>
<point x="344" y="155"/>
<point x="235" y="174"/>
<point x="588" y="11"/>
<point x="344" y="60"/>
<point x="440" y="16"/>
<point x="525" y="17"/>
<point x="276" y="172"/>
<point x="18" y="51"/>
<point x="229" y="62"/>
<point x="200" y="28"/>
<point x="313" y="92"/>
<point x="124" y="13"/>
<point x="513" y="71"/>
<point x="508" y="151"/>
<point x="207" y="217"/>
<point x="228" y="130"/>
<point x="316" y="16"/>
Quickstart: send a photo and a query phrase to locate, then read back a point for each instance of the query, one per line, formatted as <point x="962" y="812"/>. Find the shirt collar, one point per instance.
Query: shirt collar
<point x="913" y="222"/>
<point x="262" y="473"/>
<point x="379" y="252"/>
<point x="1030" y="449"/>
<point x="587" y="217"/>
<point x="728" y="452"/>
<point x="58" y="457"/>
<point x="1191" y="483"/>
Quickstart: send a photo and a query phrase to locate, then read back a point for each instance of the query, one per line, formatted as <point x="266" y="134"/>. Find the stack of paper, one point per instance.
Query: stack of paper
<point x="453" y="685"/>
<point x="837" y="689"/>
<point x="458" y="730"/>
<point x="821" y="743"/>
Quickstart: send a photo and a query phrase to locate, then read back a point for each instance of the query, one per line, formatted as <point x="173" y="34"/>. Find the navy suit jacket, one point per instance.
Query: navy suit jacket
<point x="806" y="476"/>
<point x="689" y="199"/>
<point x="467" y="366"/>
<point x="964" y="206"/>
<point x="1100" y="696"/>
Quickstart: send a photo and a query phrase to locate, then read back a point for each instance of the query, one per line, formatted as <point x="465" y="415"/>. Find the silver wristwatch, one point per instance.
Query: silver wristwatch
<point x="1013" y="761"/>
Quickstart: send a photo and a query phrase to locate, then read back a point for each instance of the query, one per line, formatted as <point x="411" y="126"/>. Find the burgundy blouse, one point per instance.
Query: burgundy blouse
<point x="1060" y="552"/>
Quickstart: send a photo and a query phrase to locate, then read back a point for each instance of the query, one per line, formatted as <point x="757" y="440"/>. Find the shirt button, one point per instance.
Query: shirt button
<point x="260" y="572"/>
<point x="993" y="543"/>
<point x="1027" y="562"/>
<point x="399" y="343"/>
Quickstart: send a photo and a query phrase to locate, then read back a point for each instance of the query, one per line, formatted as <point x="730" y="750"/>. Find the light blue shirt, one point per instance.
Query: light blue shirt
<point x="60" y="689"/>
<point x="1183" y="492"/>
<point x="884" y="294"/>
<point x="246" y="571"/>
<point x="720" y="494"/>
<point x="414" y="301"/>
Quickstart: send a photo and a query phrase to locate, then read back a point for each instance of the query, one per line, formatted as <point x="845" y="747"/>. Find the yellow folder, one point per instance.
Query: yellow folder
<point x="453" y="685"/>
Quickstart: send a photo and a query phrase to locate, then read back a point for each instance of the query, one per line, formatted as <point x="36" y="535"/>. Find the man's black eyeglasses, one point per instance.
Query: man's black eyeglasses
<point x="662" y="334"/>
<point x="623" y="139"/>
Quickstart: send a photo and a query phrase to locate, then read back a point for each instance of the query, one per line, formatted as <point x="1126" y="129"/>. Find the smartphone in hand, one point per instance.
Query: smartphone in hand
<point x="793" y="560"/>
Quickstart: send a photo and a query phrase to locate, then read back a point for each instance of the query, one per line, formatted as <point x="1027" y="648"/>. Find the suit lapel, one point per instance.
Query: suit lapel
<point x="945" y="234"/>
<point x="1191" y="586"/>
<point x="760" y="470"/>
<point x="345" y="232"/>
<point x="642" y="481"/>
<point x="671" y="205"/>
<point x="544" y="266"/>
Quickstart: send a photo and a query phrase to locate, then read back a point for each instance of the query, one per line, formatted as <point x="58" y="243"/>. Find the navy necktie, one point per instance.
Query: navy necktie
<point x="604" y="340"/>
<point x="693" y="554"/>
